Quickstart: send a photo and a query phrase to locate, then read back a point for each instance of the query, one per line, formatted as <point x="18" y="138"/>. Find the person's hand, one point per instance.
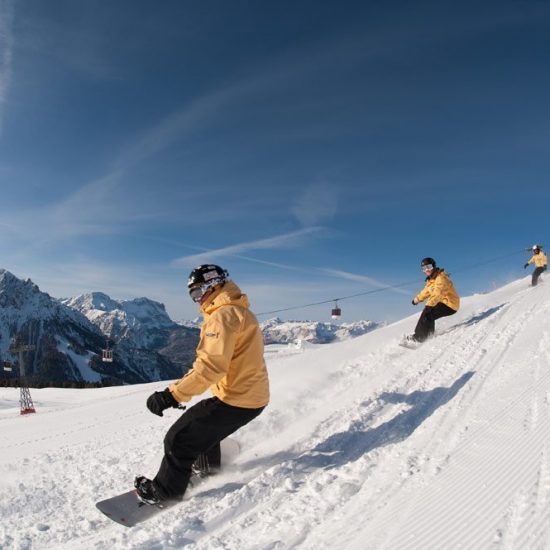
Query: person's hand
<point x="414" y="302"/>
<point x="161" y="400"/>
<point x="525" y="266"/>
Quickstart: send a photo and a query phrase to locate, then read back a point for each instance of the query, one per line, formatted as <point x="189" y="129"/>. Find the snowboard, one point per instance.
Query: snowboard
<point x="128" y="510"/>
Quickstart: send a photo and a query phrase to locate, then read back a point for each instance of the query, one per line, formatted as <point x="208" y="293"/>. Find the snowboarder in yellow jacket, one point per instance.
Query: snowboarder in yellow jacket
<point x="230" y="362"/>
<point x="541" y="263"/>
<point x="440" y="296"/>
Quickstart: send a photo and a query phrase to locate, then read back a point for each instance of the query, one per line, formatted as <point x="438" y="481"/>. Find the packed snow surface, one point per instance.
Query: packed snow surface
<point x="365" y="445"/>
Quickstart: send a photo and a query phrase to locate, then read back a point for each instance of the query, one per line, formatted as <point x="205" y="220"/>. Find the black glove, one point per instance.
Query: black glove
<point x="525" y="266"/>
<point x="161" y="400"/>
<point x="413" y="302"/>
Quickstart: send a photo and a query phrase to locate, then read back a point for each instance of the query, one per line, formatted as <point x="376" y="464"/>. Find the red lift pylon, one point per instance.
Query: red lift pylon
<point x="25" y="399"/>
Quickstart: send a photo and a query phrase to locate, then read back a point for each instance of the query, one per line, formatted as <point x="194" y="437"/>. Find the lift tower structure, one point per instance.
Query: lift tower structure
<point x="25" y="399"/>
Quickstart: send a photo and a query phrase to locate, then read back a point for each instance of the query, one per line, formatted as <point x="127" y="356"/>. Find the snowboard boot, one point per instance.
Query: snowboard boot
<point x="410" y="341"/>
<point x="147" y="492"/>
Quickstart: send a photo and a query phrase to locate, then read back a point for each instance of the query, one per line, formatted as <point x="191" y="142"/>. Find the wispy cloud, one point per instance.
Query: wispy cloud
<point x="96" y="202"/>
<point x="195" y="114"/>
<point x="6" y="52"/>
<point x="176" y="124"/>
<point x="89" y="208"/>
<point x="100" y="207"/>
<point x="363" y="279"/>
<point x="292" y="239"/>
<point x="269" y="78"/>
<point x="104" y="205"/>
<point x="317" y="204"/>
<point x="278" y="265"/>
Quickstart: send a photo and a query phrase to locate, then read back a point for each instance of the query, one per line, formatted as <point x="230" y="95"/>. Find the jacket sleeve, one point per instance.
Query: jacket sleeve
<point x="423" y="294"/>
<point x="531" y="260"/>
<point x="214" y="354"/>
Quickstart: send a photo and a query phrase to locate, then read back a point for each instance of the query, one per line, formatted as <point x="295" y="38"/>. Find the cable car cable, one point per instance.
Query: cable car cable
<point x="383" y="289"/>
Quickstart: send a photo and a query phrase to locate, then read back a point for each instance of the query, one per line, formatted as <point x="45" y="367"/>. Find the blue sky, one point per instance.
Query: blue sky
<point x="314" y="149"/>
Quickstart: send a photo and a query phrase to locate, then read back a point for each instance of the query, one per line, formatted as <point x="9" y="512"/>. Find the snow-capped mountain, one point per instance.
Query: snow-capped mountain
<point x="141" y="319"/>
<point x="139" y="327"/>
<point x="64" y="341"/>
<point x="192" y="323"/>
<point x="277" y="331"/>
<point x="67" y="346"/>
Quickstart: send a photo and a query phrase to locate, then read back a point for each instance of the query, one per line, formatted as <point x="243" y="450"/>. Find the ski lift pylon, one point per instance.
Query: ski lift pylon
<point x="336" y="312"/>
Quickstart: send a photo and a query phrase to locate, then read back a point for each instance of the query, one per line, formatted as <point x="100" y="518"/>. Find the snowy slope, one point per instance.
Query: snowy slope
<point x="365" y="445"/>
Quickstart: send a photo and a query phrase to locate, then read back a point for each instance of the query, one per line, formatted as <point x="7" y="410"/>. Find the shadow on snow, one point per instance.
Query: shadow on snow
<point x="349" y="446"/>
<point x="352" y="444"/>
<point x="477" y="318"/>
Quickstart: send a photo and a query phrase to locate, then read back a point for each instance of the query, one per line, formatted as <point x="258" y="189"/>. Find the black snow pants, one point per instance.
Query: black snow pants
<point x="199" y="430"/>
<point x="536" y="275"/>
<point x="426" y="324"/>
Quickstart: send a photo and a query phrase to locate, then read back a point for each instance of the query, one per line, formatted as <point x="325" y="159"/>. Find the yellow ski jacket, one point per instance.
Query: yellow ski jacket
<point x="439" y="288"/>
<point x="540" y="259"/>
<point x="230" y="354"/>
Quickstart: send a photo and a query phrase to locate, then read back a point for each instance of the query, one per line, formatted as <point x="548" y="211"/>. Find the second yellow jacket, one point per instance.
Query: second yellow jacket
<point x="540" y="259"/>
<point x="439" y="288"/>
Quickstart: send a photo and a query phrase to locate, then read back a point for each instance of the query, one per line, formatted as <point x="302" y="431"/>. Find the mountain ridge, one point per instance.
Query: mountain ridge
<point x="67" y="346"/>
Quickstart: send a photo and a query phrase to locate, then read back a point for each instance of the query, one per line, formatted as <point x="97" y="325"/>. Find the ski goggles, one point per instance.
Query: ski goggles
<point x="197" y="292"/>
<point x="427" y="268"/>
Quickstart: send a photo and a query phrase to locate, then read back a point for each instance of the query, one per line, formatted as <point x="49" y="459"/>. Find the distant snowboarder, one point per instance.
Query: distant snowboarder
<point x="541" y="262"/>
<point x="230" y="362"/>
<point x="442" y="300"/>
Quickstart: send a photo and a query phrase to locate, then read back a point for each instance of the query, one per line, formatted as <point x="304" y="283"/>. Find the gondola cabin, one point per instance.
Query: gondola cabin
<point x="8" y="367"/>
<point x="336" y="312"/>
<point x="107" y="356"/>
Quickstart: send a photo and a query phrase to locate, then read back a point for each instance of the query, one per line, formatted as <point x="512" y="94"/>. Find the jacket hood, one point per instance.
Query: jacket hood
<point x="228" y="294"/>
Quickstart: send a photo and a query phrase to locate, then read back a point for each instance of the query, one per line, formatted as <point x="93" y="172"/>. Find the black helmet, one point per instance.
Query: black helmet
<point x="428" y="261"/>
<point x="203" y="278"/>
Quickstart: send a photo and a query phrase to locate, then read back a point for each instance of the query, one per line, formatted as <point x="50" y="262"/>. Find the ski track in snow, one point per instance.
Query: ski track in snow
<point x="365" y="445"/>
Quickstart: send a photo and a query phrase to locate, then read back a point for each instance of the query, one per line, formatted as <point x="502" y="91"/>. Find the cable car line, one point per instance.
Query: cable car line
<point x="339" y="299"/>
<point x="383" y="289"/>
